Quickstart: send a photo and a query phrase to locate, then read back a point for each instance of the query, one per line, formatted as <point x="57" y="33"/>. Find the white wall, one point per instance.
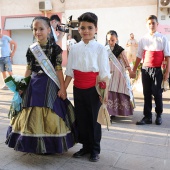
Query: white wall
<point x="124" y="20"/>
<point x="164" y="21"/>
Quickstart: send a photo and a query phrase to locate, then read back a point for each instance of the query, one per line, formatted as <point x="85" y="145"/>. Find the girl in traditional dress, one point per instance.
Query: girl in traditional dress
<point x="120" y="97"/>
<point x="45" y="123"/>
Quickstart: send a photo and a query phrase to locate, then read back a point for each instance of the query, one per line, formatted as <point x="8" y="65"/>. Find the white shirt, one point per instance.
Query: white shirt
<point x="155" y="42"/>
<point x="70" y="43"/>
<point x="54" y="34"/>
<point x="91" y="57"/>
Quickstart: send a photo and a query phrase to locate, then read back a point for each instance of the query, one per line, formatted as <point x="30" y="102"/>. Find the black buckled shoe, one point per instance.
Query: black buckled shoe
<point x="144" y="121"/>
<point x="80" y="153"/>
<point x="94" y="157"/>
<point x="158" y="120"/>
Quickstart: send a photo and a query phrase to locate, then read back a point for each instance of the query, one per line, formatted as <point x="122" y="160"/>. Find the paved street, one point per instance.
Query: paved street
<point x="125" y="146"/>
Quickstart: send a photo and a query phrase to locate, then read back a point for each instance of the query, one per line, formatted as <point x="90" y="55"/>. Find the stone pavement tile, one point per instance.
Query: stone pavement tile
<point x="8" y="155"/>
<point x="84" y="166"/>
<point x="109" y="144"/>
<point x="124" y="128"/>
<point x="3" y="129"/>
<point x="13" y="160"/>
<point x="168" y="140"/>
<point x="4" y="122"/>
<point x="150" y="140"/>
<point x="3" y="116"/>
<point x="136" y="162"/>
<point x="8" y="96"/>
<point x="3" y="135"/>
<point x="38" y="162"/>
<point x="151" y="130"/>
<point x="60" y="161"/>
<point x="117" y="134"/>
<point x="144" y="149"/>
<point x="106" y="162"/>
<point x="30" y="161"/>
<point x="166" y="118"/>
<point x="167" y="164"/>
<point x="148" y="130"/>
<point x="168" y="148"/>
<point x="4" y="110"/>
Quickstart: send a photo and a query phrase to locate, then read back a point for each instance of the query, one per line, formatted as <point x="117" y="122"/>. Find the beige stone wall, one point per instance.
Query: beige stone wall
<point x="17" y="7"/>
<point x="88" y="4"/>
<point x="23" y="7"/>
<point x="27" y="7"/>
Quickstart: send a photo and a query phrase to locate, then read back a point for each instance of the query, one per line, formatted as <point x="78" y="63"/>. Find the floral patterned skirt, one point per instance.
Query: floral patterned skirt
<point x="119" y="104"/>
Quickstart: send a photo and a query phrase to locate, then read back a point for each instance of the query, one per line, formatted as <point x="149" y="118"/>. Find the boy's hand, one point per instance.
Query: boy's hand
<point x="166" y="76"/>
<point x="105" y="100"/>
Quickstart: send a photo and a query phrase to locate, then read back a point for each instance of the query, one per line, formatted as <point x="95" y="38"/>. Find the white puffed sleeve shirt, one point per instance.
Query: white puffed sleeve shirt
<point x="91" y="57"/>
<point x="155" y="42"/>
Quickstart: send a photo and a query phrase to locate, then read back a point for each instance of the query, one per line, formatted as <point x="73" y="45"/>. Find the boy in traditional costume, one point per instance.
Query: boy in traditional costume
<point x="87" y="60"/>
<point x="153" y="49"/>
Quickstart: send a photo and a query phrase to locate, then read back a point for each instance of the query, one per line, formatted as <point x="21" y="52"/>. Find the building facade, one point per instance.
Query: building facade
<point x="123" y="16"/>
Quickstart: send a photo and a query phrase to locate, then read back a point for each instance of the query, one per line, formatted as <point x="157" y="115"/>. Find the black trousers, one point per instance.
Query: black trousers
<point x="87" y="105"/>
<point x="152" y="80"/>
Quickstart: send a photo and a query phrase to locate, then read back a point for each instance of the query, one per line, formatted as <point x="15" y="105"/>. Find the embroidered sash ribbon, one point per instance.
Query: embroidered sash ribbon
<point x="44" y="62"/>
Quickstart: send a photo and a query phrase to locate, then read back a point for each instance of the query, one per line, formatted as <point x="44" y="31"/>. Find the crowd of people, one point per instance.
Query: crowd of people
<point x="47" y="122"/>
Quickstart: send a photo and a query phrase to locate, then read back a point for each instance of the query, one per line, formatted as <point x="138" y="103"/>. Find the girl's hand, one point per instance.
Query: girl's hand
<point x="132" y="74"/>
<point x="20" y="92"/>
<point x="62" y="94"/>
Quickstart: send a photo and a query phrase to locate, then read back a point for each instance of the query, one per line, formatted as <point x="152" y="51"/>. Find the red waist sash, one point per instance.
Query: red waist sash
<point x="153" y="58"/>
<point x="84" y="80"/>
